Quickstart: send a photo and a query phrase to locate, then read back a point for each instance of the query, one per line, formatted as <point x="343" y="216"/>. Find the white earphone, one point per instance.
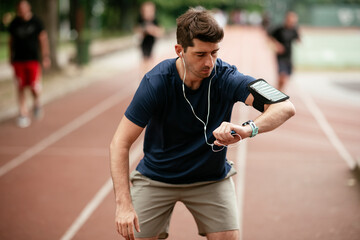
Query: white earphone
<point x="192" y="109"/>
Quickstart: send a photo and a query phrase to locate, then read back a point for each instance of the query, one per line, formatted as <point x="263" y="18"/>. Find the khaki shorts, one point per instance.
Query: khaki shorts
<point x="212" y="204"/>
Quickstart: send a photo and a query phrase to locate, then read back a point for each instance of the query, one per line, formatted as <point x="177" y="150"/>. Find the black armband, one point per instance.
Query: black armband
<point x="264" y="93"/>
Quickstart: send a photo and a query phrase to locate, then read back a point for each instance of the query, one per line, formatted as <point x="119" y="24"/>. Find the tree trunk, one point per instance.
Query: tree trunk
<point x="47" y="11"/>
<point x="52" y="21"/>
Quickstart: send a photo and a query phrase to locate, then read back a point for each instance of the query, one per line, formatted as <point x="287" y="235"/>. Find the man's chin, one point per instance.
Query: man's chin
<point x="205" y="74"/>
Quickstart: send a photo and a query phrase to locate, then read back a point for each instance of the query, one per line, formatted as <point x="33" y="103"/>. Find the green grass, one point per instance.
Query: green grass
<point x="328" y="49"/>
<point x="3" y="47"/>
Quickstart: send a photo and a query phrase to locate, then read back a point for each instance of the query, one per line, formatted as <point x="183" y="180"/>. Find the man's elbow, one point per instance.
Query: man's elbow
<point x="114" y="145"/>
<point x="290" y="109"/>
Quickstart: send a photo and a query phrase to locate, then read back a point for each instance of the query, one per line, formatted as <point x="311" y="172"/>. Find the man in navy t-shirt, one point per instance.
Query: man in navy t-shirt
<point x="185" y="104"/>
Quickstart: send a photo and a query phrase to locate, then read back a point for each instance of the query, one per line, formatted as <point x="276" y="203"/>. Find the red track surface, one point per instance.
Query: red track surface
<point x="293" y="184"/>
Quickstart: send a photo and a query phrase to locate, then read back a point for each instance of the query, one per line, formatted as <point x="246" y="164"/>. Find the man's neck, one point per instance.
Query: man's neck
<point x="189" y="81"/>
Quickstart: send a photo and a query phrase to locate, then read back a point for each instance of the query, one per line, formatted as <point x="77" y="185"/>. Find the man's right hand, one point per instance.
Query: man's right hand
<point x="125" y="221"/>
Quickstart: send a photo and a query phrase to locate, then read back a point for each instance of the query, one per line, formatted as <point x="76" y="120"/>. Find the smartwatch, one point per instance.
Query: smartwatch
<point x="255" y="129"/>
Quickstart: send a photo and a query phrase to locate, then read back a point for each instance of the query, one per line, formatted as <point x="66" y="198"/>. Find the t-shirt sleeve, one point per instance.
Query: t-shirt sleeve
<point x="241" y="91"/>
<point x="297" y="36"/>
<point x="143" y="104"/>
<point x="236" y="84"/>
<point x="276" y="34"/>
<point x="40" y="26"/>
<point x="10" y="29"/>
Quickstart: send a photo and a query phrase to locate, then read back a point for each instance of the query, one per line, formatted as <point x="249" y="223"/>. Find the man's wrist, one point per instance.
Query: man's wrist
<point x="123" y="201"/>
<point x="254" y="128"/>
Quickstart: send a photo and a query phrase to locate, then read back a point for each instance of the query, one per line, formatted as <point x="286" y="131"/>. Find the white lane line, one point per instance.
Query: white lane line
<point x="89" y="209"/>
<point x="241" y="154"/>
<point x="242" y="114"/>
<point x="67" y="129"/>
<point x="326" y="127"/>
<point x="60" y="151"/>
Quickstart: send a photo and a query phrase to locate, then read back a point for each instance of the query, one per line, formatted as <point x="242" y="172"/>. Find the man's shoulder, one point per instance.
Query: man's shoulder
<point x="168" y="63"/>
<point x="35" y="19"/>
<point x="221" y="62"/>
<point x="280" y="29"/>
<point x="162" y="73"/>
<point x="18" y="22"/>
<point x="231" y="73"/>
<point x="296" y="30"/>
<point x="163" y="68"/>
<point x="15" y="22"/>
<point x="224" y="66"/>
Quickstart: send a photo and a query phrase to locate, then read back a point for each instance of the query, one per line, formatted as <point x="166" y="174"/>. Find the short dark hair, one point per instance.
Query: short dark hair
<point x="200" y="24"/>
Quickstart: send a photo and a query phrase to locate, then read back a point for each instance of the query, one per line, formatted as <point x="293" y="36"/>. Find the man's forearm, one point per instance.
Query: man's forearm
<point x="119" y="166"/>
<point x="44" y="44"/>
<point x="275" y="115"/>
<point x="121" y="143"/>
<point x="125" y="215"/>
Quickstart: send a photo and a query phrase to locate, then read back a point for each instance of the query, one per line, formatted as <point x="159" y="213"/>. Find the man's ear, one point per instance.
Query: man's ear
<point x="179" y="50"/>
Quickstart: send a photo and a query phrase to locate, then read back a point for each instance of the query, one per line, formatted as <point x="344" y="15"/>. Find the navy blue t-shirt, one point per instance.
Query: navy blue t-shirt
<point x="175" y="150"/>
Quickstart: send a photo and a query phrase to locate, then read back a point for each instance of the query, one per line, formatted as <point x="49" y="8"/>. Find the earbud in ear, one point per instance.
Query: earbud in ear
<point x="181" y="54"/>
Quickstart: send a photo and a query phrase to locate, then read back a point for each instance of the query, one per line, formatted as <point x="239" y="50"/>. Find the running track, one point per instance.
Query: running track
<point x="293" y="183"/>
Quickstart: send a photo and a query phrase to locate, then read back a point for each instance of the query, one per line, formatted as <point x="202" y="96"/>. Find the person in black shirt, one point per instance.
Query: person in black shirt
<point x="283" y="38"/>
<point x="149" y="29"/>
<point x="27" y="38"/>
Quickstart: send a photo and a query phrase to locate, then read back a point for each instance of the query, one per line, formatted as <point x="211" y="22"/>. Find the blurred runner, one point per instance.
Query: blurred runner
<point x="283" y="37"/>
<point x="148" y="28"/>
<point x="27" y="38"/>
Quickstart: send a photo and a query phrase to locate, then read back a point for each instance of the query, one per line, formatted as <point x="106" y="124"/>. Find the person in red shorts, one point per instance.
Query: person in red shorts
<point x="27" y="38"/>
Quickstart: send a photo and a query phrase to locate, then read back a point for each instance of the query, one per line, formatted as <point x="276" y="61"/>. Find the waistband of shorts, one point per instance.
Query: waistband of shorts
<point x="136" y="175"/>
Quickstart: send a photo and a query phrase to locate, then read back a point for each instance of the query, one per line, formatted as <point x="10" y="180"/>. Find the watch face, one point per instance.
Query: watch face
<point x="247" y="122"/>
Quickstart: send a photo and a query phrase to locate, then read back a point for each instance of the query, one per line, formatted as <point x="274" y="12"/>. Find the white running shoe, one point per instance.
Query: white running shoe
<point x="23" y="121"/>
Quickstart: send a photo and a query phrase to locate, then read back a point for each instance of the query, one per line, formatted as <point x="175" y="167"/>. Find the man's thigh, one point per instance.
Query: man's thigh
<point x="214" y="207"/>
<point x="153" y="205"/>
<point x="34" y="75"/>
<point x="20" y="73"/>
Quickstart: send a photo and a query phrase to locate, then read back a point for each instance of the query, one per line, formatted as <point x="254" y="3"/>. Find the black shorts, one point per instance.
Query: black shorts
<point x="147" y="46"/>
<point x="285" y="66"/>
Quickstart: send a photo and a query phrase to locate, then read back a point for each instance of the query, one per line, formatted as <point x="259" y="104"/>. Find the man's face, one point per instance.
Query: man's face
<point x="291" y="20"/>
<point x="23" y="10"/>
<point x="200" y="59"/>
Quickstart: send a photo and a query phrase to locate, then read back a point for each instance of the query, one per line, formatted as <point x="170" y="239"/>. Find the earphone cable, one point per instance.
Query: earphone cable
<point x="208" y="109"/>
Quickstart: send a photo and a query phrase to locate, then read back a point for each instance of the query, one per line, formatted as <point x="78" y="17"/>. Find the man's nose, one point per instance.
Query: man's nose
<point x="210" y="61"/>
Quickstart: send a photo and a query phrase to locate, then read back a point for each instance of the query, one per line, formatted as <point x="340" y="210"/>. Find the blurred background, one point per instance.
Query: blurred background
<point x="307" y="187"/>
<point x="81" y="31"/>
<point x="74" y="26"/>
